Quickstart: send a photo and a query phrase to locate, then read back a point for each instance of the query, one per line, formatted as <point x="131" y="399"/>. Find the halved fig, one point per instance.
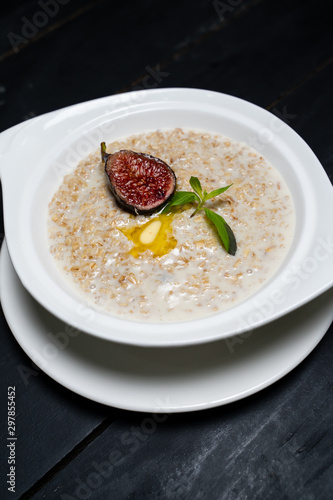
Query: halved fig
<point x="140" y="183"/>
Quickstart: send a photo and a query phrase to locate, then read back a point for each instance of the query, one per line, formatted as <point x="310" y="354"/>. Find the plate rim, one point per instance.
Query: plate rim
<point x="8" y="275"/>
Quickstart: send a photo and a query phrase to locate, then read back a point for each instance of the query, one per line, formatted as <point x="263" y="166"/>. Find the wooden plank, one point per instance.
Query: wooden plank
<point x="229" y="56"/>
<point x="309" y="109"/>
<point x="272" y="445"/>
<point x="258" y="56"/>
<point x="22" y="22"/>
<point x="92" y="55"/>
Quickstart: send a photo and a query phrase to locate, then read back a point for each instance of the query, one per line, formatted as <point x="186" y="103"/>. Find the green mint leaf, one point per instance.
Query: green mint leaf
<point x="183" y="197"/>
<point x="196" y="186"/>
<point x="216" y="192"/>
<point x="225" y="232"/>
<point x="180" y="198"/>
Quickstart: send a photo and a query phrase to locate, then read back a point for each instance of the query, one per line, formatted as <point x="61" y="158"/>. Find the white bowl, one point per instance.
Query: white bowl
<point x="35" y="155"/>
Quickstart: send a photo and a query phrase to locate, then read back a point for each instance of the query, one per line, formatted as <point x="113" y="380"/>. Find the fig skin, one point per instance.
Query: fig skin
<point x="140" y="183"/>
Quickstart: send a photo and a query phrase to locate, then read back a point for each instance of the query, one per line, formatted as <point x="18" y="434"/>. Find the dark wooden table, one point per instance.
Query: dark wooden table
<point x="276" y="444"/>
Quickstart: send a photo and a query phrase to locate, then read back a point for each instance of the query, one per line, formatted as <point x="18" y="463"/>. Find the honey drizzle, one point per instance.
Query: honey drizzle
<point x="162" y="244"/>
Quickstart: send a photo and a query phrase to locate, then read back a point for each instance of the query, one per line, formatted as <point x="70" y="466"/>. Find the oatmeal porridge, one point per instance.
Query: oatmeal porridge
<point x="184" y="273"/>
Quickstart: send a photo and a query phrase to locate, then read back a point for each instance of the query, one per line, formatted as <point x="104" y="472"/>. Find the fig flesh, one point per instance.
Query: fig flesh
<point x="140" y="183"/>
